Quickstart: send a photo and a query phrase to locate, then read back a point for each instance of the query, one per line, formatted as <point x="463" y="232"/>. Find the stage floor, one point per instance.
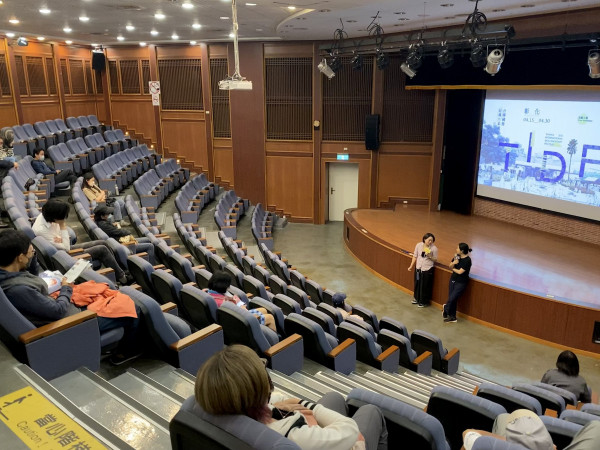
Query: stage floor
<point x="511" y="256"/>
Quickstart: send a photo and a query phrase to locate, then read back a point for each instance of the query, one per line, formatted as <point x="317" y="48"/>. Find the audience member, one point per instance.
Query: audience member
<point x="424" y="256"/>
<point x="235" y="381"/>
<point x="460" y="266"/>
<point x="566" y="376"/>
<point x="29" y="293"/>
<point x="93" y="192"/>
<point x="40" y="166"/>
<point x="51" y="225"/>
<point x="339" y="302"/>
<point x="103" y="220"/>
<point x="217" y="288"/>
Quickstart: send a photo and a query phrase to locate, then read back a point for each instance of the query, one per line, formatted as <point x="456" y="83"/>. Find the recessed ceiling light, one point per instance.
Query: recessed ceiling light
<point x="120" y="38"/>
<point x="291" y="8"/>
<point x="129" y="27"/>
<point x="259" y="29"/>
<point x="142" y="44"/>
<point x="159" y="16"/>
<point x="67" y="29"/>
<point x="95" y="45"/>
<point x="224" y="18"/>
<point x="45" y="11"/>
<point x="41" y="38"/>
<point x="154" y="33"/>
<point x="84" y="19"/>
<point x="192" y="42"/>
<point x="68" y="42"/>
<point x="196" y="26"/>
<point x="14" y="21"/>
<point x="231" y="35"/>
<point x="187" y="5"/>
<point x="250" y="4"/>
<point x="174" y="36"/>
<point x="10" y="35"/>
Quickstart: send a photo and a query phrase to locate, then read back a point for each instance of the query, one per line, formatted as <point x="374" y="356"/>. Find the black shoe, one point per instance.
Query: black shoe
<point x="444" y="313"/>
<point x="120" y="358"/>
<point x="421" y="305"/>
<point x="414" y="302"/>
<point x="450" y="320"/>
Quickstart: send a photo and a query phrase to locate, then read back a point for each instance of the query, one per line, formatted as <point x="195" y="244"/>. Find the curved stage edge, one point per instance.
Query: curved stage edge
<point x="548" y="320"/>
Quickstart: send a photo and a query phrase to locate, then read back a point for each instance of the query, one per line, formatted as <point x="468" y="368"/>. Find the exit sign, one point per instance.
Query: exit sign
<point x="343" y="157"/>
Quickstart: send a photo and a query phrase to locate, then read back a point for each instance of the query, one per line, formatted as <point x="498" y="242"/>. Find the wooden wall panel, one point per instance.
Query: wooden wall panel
<point x="136" y="113"/>
<point x="289" y="186"/>
<point x="404" y="176"/>
<point x="41" y="110"/>
<point x="288" y="147"/>
<point x="80" y="106"/>
<point x="185" y="135"/>
<point x="7" y="114"/>
<point x="223" y="161"/>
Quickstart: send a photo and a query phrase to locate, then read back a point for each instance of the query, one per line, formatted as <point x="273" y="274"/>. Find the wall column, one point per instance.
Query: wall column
<point x="207" y="100"/>
<point x="154" y="77"/>
<point x="16" y="92"/>
<point x="439" y="117"/>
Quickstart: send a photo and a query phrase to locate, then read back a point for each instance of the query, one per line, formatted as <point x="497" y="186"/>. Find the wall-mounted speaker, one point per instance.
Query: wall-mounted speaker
<point x="98" y="61"/>
<point x="372" y="132"/>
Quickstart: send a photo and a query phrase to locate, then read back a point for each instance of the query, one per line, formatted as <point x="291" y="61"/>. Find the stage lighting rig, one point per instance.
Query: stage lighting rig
<point x="325" y="69"/>
<point x="594" y="63"/>
<point x="478" y="55"/>
<point x="407" y="70"/>
<point x="357" y="62"/>
<point x="445" y="57"/>
<point x="494" y="60"/>
<point x="382" y="60"/>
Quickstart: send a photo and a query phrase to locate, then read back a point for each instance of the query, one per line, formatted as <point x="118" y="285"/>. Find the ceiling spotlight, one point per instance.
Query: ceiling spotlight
<point x="325" y="69"/>
<point x="159" y="16"/>
<point x="22" y="42"/>
<point x="478" y="57"/>
<point x="494" y="60"/>
<point x="41" y="38"/>
<point x="415" y="56"/>
<point x="357" y="62"/>
<point x="14" y="21"/>
<point x="445" y="57"/>
<point x="196" y="26"/>
<point x="187" y="5"/>
<point x="143" y="44"/>
<point x="231" y="35"/>
<point x="594" y="63"/>
<point x="84" y="19"/>
<point x="45" y="11"/>
<point x="335" y="63"/>
<point x="120" y="38"/>
<point x="174" y="36"/>
<point x="154" y="33"/>
<point x="129" y="27"/>
<point x="193" y="42"/>
<point x="10" y="35"/>
<point x="67" y="29"/>
<point x="291" y="8"/>
<point x="68" y="42"/>
<point x="407" y="70"/>
<point x="382" y="60"/>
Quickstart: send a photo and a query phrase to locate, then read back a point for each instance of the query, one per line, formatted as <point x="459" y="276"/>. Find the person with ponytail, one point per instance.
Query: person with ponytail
<point x="460" y="266"/>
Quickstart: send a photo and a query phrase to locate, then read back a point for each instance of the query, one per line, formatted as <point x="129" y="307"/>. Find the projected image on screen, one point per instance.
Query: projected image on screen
<point x="542" y="149"/>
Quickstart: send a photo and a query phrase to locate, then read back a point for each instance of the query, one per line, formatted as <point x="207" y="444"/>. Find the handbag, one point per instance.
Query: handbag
<point x="30" y="182"/>
<point x="110" y="201"/>
<point x="129" y="239"/>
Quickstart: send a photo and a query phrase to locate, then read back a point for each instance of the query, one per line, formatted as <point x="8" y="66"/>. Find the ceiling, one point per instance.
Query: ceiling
<point x="258" y="19"/>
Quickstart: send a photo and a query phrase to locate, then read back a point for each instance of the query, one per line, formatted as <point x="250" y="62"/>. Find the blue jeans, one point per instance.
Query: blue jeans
<point x="455" y="290"/>
<point x="146" y="247"/>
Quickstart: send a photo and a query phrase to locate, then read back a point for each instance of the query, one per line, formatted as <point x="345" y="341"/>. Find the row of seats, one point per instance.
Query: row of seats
<point x="43" y="185"/>
<point x="262" y="226"/>
<point x="121" y="169"/>
<point x="193" y="197"/>
<point x="229" y="211"/>
<point x="152" y="190"/>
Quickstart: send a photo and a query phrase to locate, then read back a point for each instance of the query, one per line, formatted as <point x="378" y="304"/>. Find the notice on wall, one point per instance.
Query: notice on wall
<point x="154" y="87"/>
<point x="41" y="424"/>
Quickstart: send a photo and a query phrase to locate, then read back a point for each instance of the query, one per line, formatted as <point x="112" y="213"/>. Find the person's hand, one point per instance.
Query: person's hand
<point x="360" y="438"/>
<point x="62" y="224"/>
<point x="64" y="282"/>
<point x="290" y="405"/>
<point x="118" y="225"/>
<point x="16" y="165"/>
<point x="57" y="240"/>
<point x="310" y="419"/>
<point x="58" y="171"/>
<point x="410" y="268"/>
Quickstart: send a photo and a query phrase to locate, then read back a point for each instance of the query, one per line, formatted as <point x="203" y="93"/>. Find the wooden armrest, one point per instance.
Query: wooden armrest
<point x="75" y="251"/>
<point x="174" y="247"/>
<point x="55" y="327"/>
<point x="278" y="254"/>
<point x="105" y="271"/>
<point x="292" y="268"/>
<point x="285" y="260"/>
<point x="282" y="345"/>
<point x="238" y="242"/>
<point x="191" y="283"/>
<point x="340" y="348"/>
<point x="168" y="271"/>
<point x="267" y="288"/>
<point x="195" y="337"/>
<point x="158" y="266"/>
<point x="450" y="354"/>
<point x="422" y="357"/>
<point x="141" y="254"/>
<point x="550" y="412"/>
<point x="390" y="350"/>
<point x="168" y="306"/>
<point x="199" y="266"/>
<point x="569" y="406"/>
<point x="136" y="286"/>
<point x="149" y="209"/>
<point x="476" y="390"/>
<point x="83" y="256"/>
<point x="162" y="235"/>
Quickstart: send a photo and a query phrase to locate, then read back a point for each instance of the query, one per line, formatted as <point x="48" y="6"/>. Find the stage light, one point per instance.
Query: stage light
<point x="325" y="69"/>
<point x="407" y="70"/>
<point x="415" y="56"/>
<point x="22" y="42"/>
<point x="478" y="56"/>
<point x="494" y="60"/>
<point x="594" y="63"/>
<point x="382" y="60"/>
<point x="335" y="64"/>
<point x="445" y="57"/>
<point x="357" y="62"/>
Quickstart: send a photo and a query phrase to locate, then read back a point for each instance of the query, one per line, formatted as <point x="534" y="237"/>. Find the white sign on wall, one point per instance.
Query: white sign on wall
<point x="154" y="87"/>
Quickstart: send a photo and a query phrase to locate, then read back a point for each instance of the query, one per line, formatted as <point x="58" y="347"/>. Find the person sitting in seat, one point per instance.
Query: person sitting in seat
<point x="566" y="376"/>
<point x="51" y="225"/>
<point x="102" y="217"/>
<point x="217" y="288"/>
<point x="40" y="166"/>
<point x="93" y="193"/>
<point x="235" y="381"/>
<point x="29" y="293"/>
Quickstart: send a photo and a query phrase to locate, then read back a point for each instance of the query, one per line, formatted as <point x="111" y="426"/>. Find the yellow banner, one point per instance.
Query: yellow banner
<point x="40" y="424"/>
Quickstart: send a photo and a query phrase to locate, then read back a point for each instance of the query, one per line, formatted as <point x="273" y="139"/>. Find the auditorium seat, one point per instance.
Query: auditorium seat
<point x="579" y="417"/>
<point x="332" y="312"/>
<point x="261" y="274"/>
<point x="408" y="427"/>
<point x="249" y="264"/>
<point x="63" y="159"/>
<point x="73" y="123"/>
<point x="141" y="271"/>
<point x="591" y="408"/>
<point x="388" y="323"/>
<point x="192" y="427"/>
<point x="63" y="134"/>
<point x="509" y="398"/>
<point x="492" y="443"/>
<point x="73" y="132"/>
<point x="277" y="285"/>
<point x="367" y="350"/>
<point x="237" y="276"/>
<point x="443" y="360"/>
<point x="561" y="431"/>
<point x="408" y="357"/>
<point x="182" y="267"/>
<point x="41" y="128"/>
<point x="321" y="319"/>
<point x="569" y="397"/>
<point x="367" y="315"/>
<point x="85" y="122"/>
<point x="200" y="307"/>
<point x="255" y="287"/>
<point x="458" y="411"/>
<point x="286" y="304"/>
<point x="321" y="347"/>
<point x="548" y="399"/>
<point x="97" y="124"/>
<point x="241" y="327"/>
<point x="274" y="310"/>
<point x="300" y="296"/>
<point x="23" y="144"/>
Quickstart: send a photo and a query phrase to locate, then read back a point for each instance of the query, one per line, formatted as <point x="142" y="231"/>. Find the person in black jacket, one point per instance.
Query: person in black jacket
<point x="40" y="166"/>
<point x="102" y="217"/>
<point x="460" y="267"/>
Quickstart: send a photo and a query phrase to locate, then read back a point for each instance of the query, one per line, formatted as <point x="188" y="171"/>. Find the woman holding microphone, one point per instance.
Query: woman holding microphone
<point x="424" y="256"/>
<point x="460" y="266"/>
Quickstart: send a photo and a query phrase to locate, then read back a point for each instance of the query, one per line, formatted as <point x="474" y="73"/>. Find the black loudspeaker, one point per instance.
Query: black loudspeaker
<point x="372" y="132"/>
<point x="98" y="61"/>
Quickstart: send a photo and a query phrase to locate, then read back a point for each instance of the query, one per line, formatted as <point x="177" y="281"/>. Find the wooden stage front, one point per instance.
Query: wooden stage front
<point x="528" y="281"/>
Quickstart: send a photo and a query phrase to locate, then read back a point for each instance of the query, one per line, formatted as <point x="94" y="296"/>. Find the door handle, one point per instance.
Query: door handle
<point x="332" y="191"/>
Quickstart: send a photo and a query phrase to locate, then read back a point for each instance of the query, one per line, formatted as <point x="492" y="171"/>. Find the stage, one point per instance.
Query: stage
<point x="524" y="280"/>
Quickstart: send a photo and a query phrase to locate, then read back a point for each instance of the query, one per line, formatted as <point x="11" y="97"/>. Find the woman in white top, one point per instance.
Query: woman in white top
<point x="234" y="381"/>
<point x="424" y="257"/>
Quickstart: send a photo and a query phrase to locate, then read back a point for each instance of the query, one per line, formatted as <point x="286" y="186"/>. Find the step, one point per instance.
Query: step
<point x="128" y="419"/>
<point x="475" y="378"/>
<point x="149" y="393"/>
<point x="176" y="380"/>
<point x="452" y="383"/>
<point x="313" y="383"/>
<point x="457" y="380"/>
<point x="376" y="386"/>
<point x="293" y="387"/>
<point x="393" y="380"/>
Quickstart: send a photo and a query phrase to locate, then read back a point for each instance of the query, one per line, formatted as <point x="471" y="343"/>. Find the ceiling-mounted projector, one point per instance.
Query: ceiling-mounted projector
<point x="22" y="42"/>
<point x="235" y="81"/>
